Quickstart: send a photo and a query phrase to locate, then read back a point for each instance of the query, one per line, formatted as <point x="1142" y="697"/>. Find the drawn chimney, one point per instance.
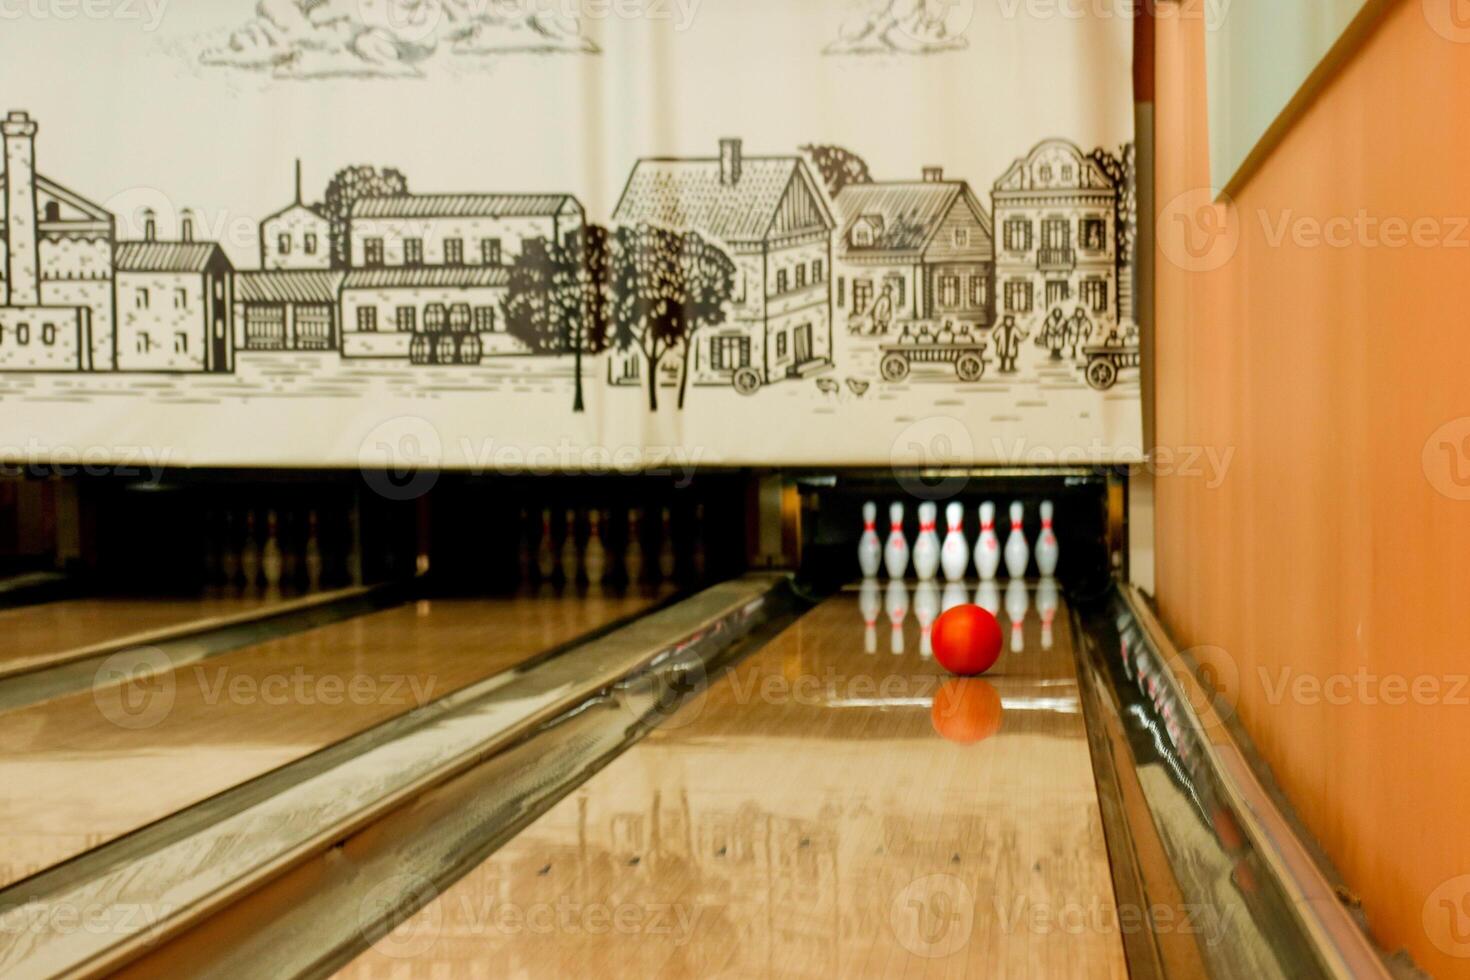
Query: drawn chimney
<point x="933" y="175"/>
<point x="22" y="258"/>
<point x="186" y="225"/>
<point x="150" y="225"/>
<point x="298" y="181"/>
<point x="732" y="161"/>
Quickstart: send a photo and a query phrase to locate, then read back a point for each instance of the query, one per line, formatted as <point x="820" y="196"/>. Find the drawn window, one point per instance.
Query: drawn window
<point x="454" y="251"/>
<point x="1067" y="172"/>
<point x="819" y="271"/>
<point x="373" y="251"/>
<point x="841" y="291"/>
<point x="782" y="281"/>
<point x="367" y="319"/>
<point x="435" y="317"/>
<point x="949" y="291"/>
<point x="283" y="244"/>
<point x="862" y="235"/>
<point x="1045" y="173"/>
<point x="962" y="238"/>
<point x="413" y="251"/>
<point x="1058" y="291"/>
<point x="181" y="343"/>
<point x="310" y="244"/>
<point x="490" y="251"/>
<point x="23" y="334"/>
<point x="862" y="295"/>
<point x="145" y="342"/>
<point x="781" y="345"/>
<point x="1095" y="295"/>
<point x="730" y="353"/>
<point x="1018" y="297"/>
<point x="977" y="291"/>
<point x="1056" y="233"/>
<point x="181" y="299"/>
<point x="1094" y="234"/>
<point x="408" y="318"/>
<point x="1018" y="235"/>
<point x="141" y="300"/>
<point x="800" y="276"/>
<point x="219" y="289"/>
<point x="53" y="211"/>
<point x="895" y="286"/>
<point x="265" y="327"/>
<point x="484" y="319"/>
<point x="48" y="334"/>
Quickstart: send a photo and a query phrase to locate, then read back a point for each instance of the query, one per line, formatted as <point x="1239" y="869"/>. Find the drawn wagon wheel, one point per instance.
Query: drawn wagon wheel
<point x="970" y="367"/>
<point x="1102" y="374"/>
<point x="894" y="367"/>
<point x="747" y="380"/>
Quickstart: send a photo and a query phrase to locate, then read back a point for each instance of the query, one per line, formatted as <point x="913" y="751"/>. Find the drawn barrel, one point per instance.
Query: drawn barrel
<point x="1102" y="373"/>
<point x="894" y="366"/>
<point x="420" y="349"/>
<point x="470" y="349"/>
<point x="970" y="366"/>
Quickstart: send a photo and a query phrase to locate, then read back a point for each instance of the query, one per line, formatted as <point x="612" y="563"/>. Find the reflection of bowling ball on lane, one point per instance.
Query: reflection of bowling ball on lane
<point x="966" y="710"/>
<point x="966" y="640"/>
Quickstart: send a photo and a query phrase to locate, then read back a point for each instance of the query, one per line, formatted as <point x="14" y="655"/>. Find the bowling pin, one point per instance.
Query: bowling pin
<point x="987" y="546"/>
<point x="926" y="545"/>
<point x="1018" y="552"/>
<point x="987" y="597"/>
<point x="1018" y="600"/>
<point x="870" y="549"/>
<point x="871" y="604"/>
<point x="571" y="566"/>
<point x="898" y="608"/>
<point x="666" y="547"/>
<point x="633" y="554"/>
<point x="250" y="553"/>
<point x="1047" y="600"/>
<point x="954" y="555"/>
<point x="595" y="561"/>
<point x="954" y="594"/>
<point x="270" y="553"/>
<point x="896" y="552"/>
<point x="1047" y="551"/>
<point x="926" y="611"/>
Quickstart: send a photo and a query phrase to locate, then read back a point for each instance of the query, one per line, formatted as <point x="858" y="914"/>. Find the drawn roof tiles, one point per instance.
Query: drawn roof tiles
<point x="166" y="256"/>
<point x="464" y="206"/>
<point x="430" y="276"/>
<point x="288" y="286"/>
<point x="689" y="194"/>
<point x="907" y="213"/>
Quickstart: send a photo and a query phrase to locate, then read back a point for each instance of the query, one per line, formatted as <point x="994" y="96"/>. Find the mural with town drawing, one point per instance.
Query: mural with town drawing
<point x="748" y="269"/>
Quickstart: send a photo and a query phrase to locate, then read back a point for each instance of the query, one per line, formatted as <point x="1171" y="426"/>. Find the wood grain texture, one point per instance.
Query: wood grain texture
<point x="80" y="770"/>
<point x="802" y="818"/>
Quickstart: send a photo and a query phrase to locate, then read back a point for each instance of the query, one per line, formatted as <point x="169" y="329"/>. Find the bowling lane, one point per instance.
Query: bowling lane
<point x="80" y="770"/>
<point x="804" y="817"/>
<point x="60" y="631"/>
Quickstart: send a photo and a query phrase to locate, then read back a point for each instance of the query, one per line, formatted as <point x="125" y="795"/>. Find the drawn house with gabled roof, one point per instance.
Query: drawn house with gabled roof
<point x="298" y="237"/>
<point x="913" y="250"/>
<point x="175" y="303"/>
<point x="769" y="215"/>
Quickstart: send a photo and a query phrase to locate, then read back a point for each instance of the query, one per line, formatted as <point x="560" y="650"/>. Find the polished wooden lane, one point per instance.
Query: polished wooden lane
<point x="80" y="770"/>
<point x="804" y="818"/>
<point x="36" y="636"/>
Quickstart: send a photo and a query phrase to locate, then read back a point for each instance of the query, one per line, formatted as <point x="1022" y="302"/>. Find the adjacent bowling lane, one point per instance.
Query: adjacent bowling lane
<point x="80" y="770"/>
<point x="57" y="631"/>
<point x="813" y="815"/>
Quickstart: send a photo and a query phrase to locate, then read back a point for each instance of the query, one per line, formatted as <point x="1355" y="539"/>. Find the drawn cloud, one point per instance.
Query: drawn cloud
<point x="345" y="38"/>
<point x="905" y="27"/>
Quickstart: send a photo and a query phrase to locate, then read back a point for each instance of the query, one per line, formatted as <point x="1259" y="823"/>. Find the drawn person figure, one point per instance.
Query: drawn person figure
<point x="1080" y="329"/>
<point x="1054" y="334"/>
<point x="925" y="337"/>
<point x="883" y="311"/>
<point x="1008" y="338"/>
<point x="946" y="333"/>
<point x="905" y="337"/>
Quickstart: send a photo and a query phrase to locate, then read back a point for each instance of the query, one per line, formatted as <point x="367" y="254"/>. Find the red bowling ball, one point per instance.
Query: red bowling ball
<point x="966" y="640"/>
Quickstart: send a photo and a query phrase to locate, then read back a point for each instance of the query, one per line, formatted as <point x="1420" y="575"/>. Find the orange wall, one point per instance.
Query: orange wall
<point x="1334" y="543"/>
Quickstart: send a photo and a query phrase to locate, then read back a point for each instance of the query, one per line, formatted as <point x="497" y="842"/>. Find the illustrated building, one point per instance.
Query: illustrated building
<point x="288" y="310"/>
<point x="174" y="302"/>
<point x="456" y="229"/>
<point x="925" y="245"/>
<point x="1056" y="242"/>
<point x="769" y="215"/>
<point x="298" y="237"/>
<point x="56" y="281"/>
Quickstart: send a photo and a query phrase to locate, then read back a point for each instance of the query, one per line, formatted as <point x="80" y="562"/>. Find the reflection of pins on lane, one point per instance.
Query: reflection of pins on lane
<point x="570" y="564"/>
<point x="871" y="604"/>
<point x="926" y="545"/>
<point x="633" y="552"/>
<point x="926" y="610"/>
<point x="987" y="597"/>
<point x="545" y="554"/>
<point x="954" y="595"/>
<point x="1018" y="552"/>
<point x="666" y="547"/>
<point x="898" y="608"/>
<point x="896" y="552"/>
<point x="954" y="554"/>
<point x="870" y="549"/>
<point x="595" y="562"/>
<point x="250" y="553"/>
<point x="1047" y="550"/>
<point x="270" y="554"/>
<point x="987" y="546"/>
<point x="313" y="559"/>
<point x="1047" y="600"/>
<point x="1018" y="600"/>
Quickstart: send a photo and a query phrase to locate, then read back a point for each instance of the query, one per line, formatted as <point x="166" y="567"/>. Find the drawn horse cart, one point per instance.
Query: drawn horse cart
<point x="967" y="356"/>
<point x="1104" y="363"/>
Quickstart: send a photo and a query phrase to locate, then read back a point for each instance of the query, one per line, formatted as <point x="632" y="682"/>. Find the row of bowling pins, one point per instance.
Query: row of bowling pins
<point x="929" y="604"/>
<point x="954" y="554"/>
<point x="240" y="553"/>
<point x="553" y="552"/>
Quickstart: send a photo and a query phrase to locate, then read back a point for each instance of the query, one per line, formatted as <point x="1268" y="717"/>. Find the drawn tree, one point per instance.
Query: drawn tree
<point x="347" y="186"/>
<point x="1121" y="168"/>
<point x="560" y="297"/>
<point x="838" y="166"/>
<point x="668" y="286"/>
